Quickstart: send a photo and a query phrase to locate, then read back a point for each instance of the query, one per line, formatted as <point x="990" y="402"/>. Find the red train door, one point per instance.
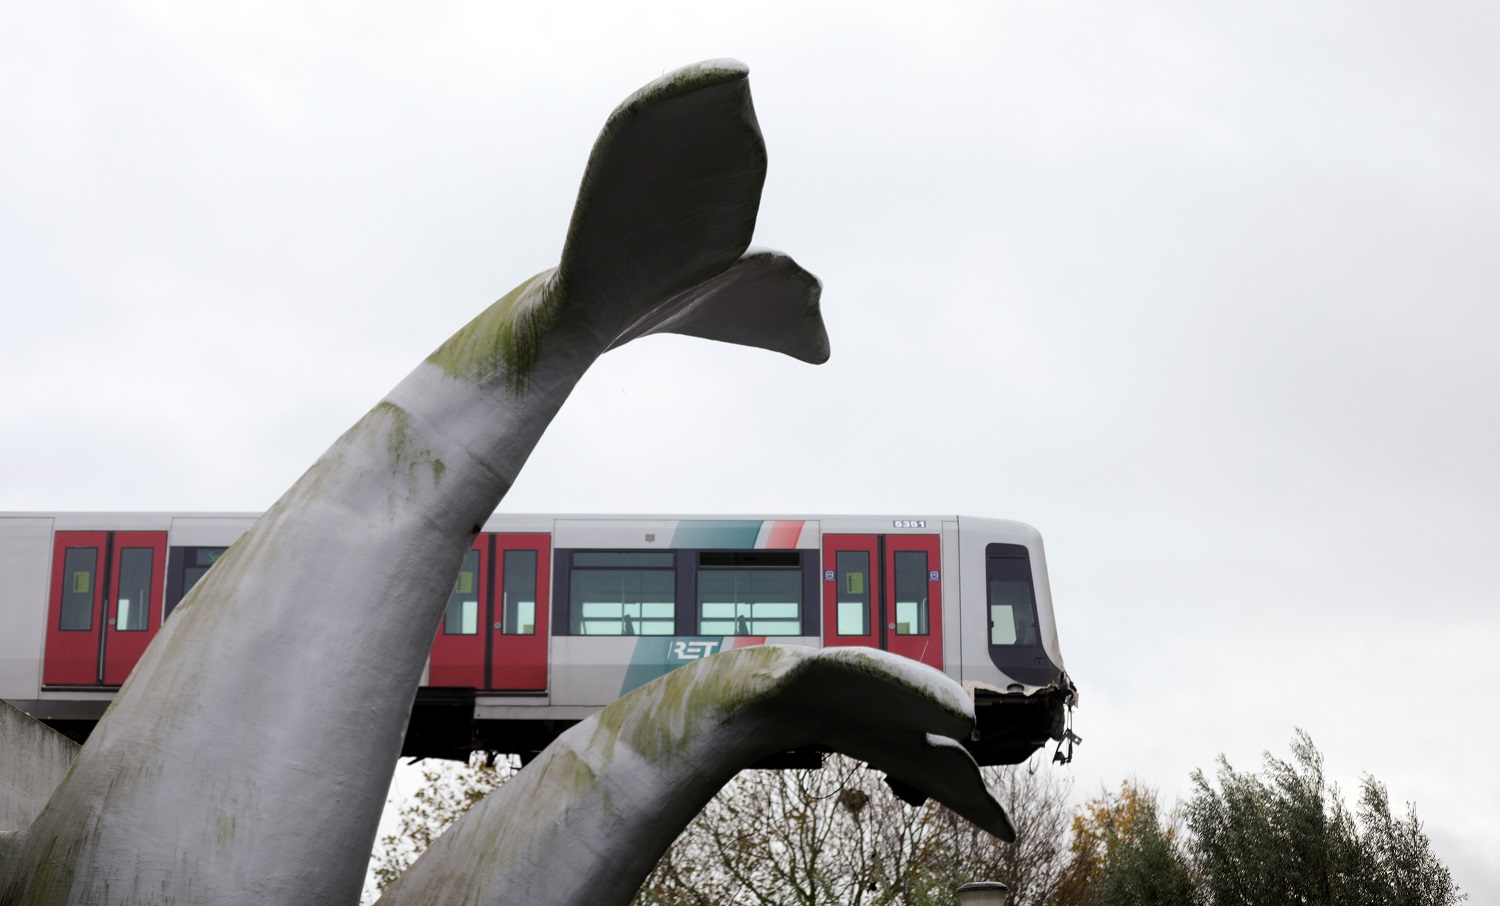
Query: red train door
<point x="104" y="607"/>
<point x="458" y="655"/>
<point x="851" y="602"/>
<point x="914" y="598"/>
<point x="73" y="633"/>
<point x="518" y="628"/>
<point x="884" y="591"/>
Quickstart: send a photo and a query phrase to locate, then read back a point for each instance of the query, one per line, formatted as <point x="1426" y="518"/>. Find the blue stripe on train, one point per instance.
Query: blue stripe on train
<point x="658" y="655"/>
<point x="710" y="534"/>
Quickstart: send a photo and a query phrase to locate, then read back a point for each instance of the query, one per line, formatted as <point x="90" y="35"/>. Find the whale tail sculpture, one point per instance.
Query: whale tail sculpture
<point x="246" y="758"/>
<point x="586" y="821"/>
<point x="658" y="241"/>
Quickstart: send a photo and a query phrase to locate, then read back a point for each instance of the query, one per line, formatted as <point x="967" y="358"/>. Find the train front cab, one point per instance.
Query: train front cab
<point x="1012" y="663"/>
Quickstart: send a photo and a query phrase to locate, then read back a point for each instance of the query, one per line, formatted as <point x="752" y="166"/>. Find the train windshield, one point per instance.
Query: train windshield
<point x="1012" y="608"/>
<point x="1014" y="636"/>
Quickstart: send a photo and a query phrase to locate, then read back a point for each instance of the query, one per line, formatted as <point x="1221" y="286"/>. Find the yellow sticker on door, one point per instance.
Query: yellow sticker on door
<point x="854" y="583"/>
<point x="81" y="583"/>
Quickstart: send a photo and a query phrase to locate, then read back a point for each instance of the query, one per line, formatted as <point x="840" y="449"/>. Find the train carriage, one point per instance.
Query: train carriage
<point x="553" y="617"/>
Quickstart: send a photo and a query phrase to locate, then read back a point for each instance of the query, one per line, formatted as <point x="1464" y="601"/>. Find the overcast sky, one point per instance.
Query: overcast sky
<point x="1208" y="295"/>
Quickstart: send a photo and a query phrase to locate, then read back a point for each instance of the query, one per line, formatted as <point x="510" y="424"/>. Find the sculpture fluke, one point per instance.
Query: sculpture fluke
<point x="664" y="215"/>
<point x="584" y="823"/>
<point x="247" y="757"/>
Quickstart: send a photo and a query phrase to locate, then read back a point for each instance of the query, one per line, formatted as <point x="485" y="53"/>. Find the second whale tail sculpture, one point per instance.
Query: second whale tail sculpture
<point x="584" y="823"/>
<point x="247" y="757"/>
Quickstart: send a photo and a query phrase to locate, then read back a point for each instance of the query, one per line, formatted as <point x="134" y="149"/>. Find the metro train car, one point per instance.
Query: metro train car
<point x="553" y="617"/>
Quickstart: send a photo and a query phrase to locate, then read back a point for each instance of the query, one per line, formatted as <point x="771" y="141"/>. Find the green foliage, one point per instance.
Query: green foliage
<point x="1121" y="853"/>
<point x="1288" y="837"/>
<point x="1144" y="867"/>
<point x="1405" y="871"/>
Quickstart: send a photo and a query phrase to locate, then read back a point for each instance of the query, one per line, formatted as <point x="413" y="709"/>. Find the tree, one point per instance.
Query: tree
<point x="448" y="790"/>
<point x="1289" y="838"/>
<point x="1406" y="871"/>
<point x="777" y="838"/>
<point x="1121" y="853"/>
<point x="1144" y="866"/>
<point x="1032" y="867"/>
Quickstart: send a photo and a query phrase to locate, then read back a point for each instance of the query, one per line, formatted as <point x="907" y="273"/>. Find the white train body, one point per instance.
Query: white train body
<point x="553" y="617"/>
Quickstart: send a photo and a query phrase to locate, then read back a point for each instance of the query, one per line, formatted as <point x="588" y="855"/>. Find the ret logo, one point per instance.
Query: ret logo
<point x="685" y="650"/>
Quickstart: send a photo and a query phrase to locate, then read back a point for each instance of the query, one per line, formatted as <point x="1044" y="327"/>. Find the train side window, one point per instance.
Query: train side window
<point x="1012" y="611"/>
<point x="853" y="592"/>
<point x="80" y="572"/>
<point x="185" y="566"/>
<point x="622" y="593"/>
<point x="518" y="604"/>
<point x="462" y="616"/>
<point x="134" y="602"/>
<point x="750" y="593"/>
<point x="911" y="592"/>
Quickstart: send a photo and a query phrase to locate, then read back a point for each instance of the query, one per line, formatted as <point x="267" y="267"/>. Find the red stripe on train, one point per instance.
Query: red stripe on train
<point x="784" y="534"/>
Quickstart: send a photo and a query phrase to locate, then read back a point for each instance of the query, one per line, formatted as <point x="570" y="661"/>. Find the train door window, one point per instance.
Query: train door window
<point x="185" y="567"/>
<point x="750" y="593"/>
<point x="462" y="616"/>
<point x="622" y="593"/>
<point x="80" y="576"/>
<point x="518" y="601"/>
<point x="1012" y="613"/>
<point x="133" y="598"/>
<point x="853" y="593"/>
<point x="911" y="593"/>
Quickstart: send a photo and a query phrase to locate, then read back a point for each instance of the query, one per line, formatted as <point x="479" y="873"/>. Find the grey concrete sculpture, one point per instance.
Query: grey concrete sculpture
<point x="586" y="821"/>
<point x="247" y="757"/>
